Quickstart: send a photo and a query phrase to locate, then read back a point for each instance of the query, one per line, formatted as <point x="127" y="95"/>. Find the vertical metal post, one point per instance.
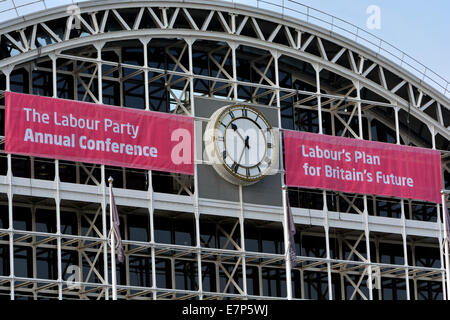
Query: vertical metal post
<point x="105" y="232"/>
<point x="260" y="280"/>
<point x="441" y="250"/>
<point x="33" y="249"/>
<point x="152" y="233"/>
<point x="446" y="240"/>
<point x="7" y="73"/>
<point x="80" y="257"/>
<point x="190" y="42"/>
<point x="113" y="243"/>
<point x="327" y="244"/>
<point x="324" y="193"/>
<point x="99" y="46"/>
<point x="126" y="258"/>
<point x="319" y="98"/>
<point x="405" y="248"/>
<point x="341" y="274"/>
<point x="57" y="187"/>
<point x="145" y="42"/>
<point x="441" y="227"/>
<point x="241" y="225"/>
<point x="121" y="87"/>
<point x="377" y="260"/>
<point x="10" y="227"/>
<point x="75" y="72"/>
<point x="302" y="284"/>
<point x="413" y="258"/>
<point x="233" y="47"/>
<point x="288" y="268"/>
<point x="367" y="236"/>
<point x="403" y="216"/>
<point x="287" y="245"/>
<point x="233" y="22"/>
<point x="365" y="212"/>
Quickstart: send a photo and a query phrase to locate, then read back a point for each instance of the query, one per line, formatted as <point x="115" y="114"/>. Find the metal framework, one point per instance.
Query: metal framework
<point x="159" y="56"/>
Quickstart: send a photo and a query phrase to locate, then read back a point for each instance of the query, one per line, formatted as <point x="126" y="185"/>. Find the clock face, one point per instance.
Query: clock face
<point x="241" y="144"/>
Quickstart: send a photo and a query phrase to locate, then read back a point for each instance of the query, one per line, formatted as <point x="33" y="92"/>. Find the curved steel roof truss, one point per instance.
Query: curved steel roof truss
<point x="40" y="35"/>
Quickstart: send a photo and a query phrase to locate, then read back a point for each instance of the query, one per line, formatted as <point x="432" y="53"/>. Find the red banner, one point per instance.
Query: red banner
<point x="86" y="132"/>
<point x="359" y="166"/>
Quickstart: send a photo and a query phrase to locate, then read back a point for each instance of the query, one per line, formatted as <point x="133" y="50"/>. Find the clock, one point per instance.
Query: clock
<point x="241" y="144"/>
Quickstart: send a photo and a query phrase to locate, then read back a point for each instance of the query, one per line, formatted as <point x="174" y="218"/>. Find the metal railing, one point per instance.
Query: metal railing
<point x="10" y="9"/>
<point x="298" y="10"/>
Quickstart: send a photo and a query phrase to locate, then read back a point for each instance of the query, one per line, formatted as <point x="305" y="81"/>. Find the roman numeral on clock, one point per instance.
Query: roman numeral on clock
<point x="247" y="172"/>
<point x="232" y="115"/>
<point x="244" y="113"/>
<point x="224" y="155"/>
<point x="235" y="167"/>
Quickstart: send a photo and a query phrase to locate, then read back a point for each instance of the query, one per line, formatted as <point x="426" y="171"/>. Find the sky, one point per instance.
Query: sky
<point x="420" y="29"/>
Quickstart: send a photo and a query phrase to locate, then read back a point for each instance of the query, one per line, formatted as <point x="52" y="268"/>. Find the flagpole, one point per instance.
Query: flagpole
<point x="113" y="243"/>
<point x="446" y="240"/>
<point x="287" y="245"/>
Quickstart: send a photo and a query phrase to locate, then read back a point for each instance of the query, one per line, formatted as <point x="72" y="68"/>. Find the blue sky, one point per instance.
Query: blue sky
<point x="420" y="28"/>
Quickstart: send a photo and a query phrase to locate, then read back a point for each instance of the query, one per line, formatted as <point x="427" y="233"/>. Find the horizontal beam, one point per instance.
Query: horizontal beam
<point x="178" y="203"/>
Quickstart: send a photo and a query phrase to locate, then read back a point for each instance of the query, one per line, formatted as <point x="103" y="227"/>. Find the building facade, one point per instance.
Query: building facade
<point x="174" y="57"/>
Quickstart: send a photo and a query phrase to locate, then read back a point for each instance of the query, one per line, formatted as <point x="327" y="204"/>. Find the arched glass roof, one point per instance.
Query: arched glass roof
<point x="11" y="9"/>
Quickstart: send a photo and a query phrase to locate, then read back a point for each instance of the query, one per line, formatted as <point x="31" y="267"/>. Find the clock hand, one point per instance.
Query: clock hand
<point x="242" y="153"/>
<point x="246" y="142"/>
<point x="235" y="128"/>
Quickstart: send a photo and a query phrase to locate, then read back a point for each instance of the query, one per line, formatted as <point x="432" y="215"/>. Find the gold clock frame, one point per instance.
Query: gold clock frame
<point x="229" y="174"/>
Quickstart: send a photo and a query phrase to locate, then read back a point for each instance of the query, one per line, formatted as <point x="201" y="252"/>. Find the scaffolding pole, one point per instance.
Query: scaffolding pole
<point x="445" y="194"/>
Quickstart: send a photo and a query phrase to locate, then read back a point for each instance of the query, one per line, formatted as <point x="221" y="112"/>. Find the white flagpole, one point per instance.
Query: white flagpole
<point x="446" y="239"/>
<point x="113" y="243"/>
<point x="287" y="246"/>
